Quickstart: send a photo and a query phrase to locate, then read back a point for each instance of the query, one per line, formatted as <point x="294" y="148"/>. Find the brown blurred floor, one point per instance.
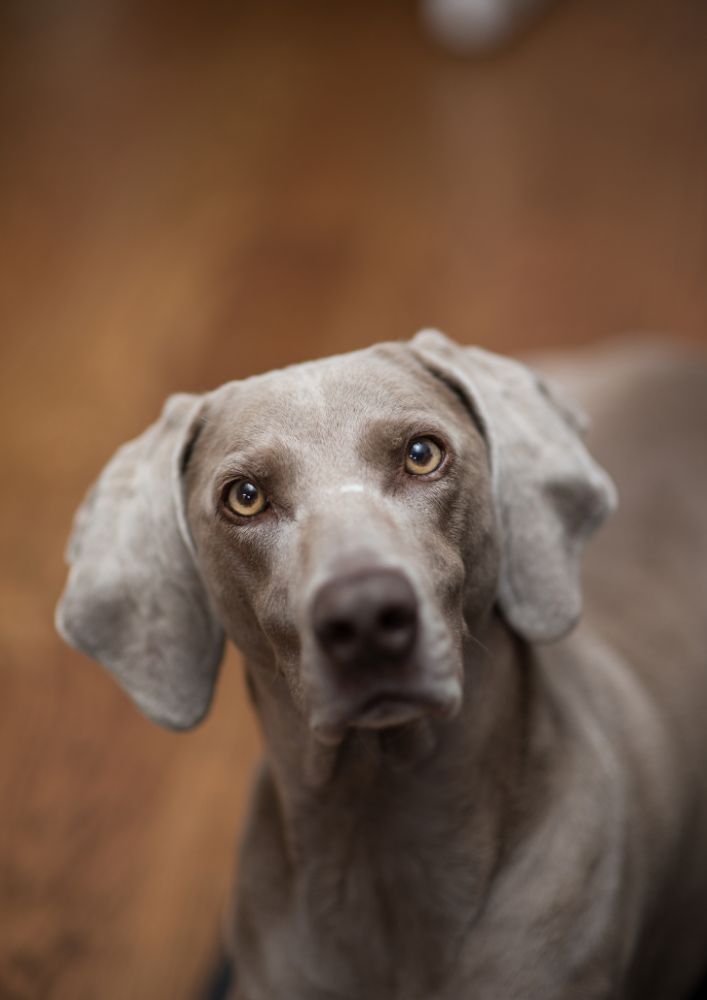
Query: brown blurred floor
<point x="186" y="198"/>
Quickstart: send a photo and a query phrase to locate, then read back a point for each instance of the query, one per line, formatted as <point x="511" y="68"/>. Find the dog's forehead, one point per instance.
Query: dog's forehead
<point x="333" y="396"/>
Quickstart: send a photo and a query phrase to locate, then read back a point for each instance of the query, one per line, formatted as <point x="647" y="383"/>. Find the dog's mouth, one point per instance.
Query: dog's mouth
<point x="392" y="709"/>
<point x="386" y="709"/>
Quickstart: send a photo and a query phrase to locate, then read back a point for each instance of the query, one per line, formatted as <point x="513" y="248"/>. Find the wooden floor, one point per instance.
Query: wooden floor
<point x="193" y="192"/>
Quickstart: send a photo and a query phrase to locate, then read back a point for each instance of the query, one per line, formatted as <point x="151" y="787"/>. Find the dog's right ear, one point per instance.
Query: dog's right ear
<point x="134" y="599"/>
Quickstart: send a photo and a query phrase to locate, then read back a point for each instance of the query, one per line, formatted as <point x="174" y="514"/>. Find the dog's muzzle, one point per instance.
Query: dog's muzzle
<point x="367" y="629"/>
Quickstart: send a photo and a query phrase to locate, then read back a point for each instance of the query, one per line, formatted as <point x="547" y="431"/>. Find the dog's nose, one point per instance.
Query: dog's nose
<point x="368" y="617"/>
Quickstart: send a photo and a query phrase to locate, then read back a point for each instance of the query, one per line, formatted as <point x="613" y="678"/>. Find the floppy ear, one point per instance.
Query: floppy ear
<point x="134" y="600"/>
<point x="548" y="492"/>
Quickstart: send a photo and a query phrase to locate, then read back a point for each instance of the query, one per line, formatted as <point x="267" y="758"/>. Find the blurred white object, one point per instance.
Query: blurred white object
<point x="475" y="25"/>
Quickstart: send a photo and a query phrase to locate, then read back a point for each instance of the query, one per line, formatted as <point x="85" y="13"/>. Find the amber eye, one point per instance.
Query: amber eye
<point x="245" y="498"/>
<point x="423" y="456"/>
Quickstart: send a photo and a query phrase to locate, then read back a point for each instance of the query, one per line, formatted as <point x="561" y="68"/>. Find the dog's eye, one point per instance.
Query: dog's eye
<point x="423" y="456"/>
<point x="245" y="498"/>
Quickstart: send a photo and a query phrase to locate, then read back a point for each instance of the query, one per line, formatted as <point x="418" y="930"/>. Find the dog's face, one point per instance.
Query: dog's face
<point x="343" y="522"/>
<point x="348" y="523"/>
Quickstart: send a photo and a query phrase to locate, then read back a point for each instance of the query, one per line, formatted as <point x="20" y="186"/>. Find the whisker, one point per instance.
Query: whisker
<point x="478" y="642"/>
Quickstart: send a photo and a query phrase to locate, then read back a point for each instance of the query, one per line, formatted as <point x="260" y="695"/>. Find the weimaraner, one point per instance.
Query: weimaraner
<point x="464" y="797"/>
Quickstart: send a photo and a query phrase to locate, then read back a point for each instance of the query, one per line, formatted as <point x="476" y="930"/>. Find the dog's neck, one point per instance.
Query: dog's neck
<point x="424" y="811"/>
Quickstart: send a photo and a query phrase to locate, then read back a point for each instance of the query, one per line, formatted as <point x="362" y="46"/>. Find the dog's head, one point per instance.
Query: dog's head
<point x="348" y="523"/>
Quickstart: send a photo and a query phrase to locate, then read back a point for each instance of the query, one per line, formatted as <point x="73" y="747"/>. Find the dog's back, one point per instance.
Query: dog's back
<point x="646" y="574"/>
<point x="645" y="588"/>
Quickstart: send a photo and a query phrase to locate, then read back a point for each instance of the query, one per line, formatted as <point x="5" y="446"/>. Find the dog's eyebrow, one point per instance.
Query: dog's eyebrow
<point x="267" y="464"/>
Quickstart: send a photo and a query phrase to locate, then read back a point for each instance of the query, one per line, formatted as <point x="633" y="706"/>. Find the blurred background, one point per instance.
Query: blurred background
<point x="194" y="192"/>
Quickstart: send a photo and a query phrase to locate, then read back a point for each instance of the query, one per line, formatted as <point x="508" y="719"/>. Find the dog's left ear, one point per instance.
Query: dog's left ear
<point x="549" y="494"/>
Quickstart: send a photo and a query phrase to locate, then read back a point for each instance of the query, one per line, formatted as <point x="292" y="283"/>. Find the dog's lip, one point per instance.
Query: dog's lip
<point x="393" y="708"/>
<point x="387" y="708"/>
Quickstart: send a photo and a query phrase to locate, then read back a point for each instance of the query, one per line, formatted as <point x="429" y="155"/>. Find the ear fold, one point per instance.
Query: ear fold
<point x="550" y="495"/>
<point x="134" y="600"/>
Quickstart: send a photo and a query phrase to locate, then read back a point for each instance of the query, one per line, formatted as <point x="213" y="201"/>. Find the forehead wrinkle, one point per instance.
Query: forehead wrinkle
<point x="377" y="385"/>
<point x="327" y="392"/>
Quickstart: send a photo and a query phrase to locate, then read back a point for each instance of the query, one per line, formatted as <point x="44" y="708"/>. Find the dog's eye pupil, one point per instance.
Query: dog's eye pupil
<point x="420" y="452"/>
<point x="424" y="455"/>
<point x="245" y="498"/>
<point x="248" y="494"/>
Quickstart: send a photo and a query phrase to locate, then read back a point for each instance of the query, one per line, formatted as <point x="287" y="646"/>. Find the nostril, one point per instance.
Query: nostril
<point x="340" y="637"/>
<point x="394" y="618"/>
<point x="338" y="632"/>
<point x="395" y="629"/>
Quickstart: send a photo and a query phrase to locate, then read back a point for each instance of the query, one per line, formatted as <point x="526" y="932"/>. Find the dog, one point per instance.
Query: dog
<point x="465" y="794"/>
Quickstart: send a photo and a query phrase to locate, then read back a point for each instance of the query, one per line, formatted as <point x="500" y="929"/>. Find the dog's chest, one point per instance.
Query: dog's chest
<point x="383" y="927"/>
<point x="352" y="942"/>
<point x="375" y="913"/>
<point x="370" y="907"/>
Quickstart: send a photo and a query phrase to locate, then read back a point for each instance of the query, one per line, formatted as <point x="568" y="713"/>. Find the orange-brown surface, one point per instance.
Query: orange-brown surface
<point x="193" y="192"/>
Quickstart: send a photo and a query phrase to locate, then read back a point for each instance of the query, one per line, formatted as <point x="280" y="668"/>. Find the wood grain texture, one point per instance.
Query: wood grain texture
<point x="194" y="192"/>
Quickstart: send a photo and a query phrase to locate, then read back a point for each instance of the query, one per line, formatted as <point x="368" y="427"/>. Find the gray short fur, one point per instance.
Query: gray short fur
<point x="541" y="833"/>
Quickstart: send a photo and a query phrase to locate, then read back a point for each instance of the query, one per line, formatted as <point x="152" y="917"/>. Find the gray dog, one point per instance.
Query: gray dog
<point x="449" y="809"/>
